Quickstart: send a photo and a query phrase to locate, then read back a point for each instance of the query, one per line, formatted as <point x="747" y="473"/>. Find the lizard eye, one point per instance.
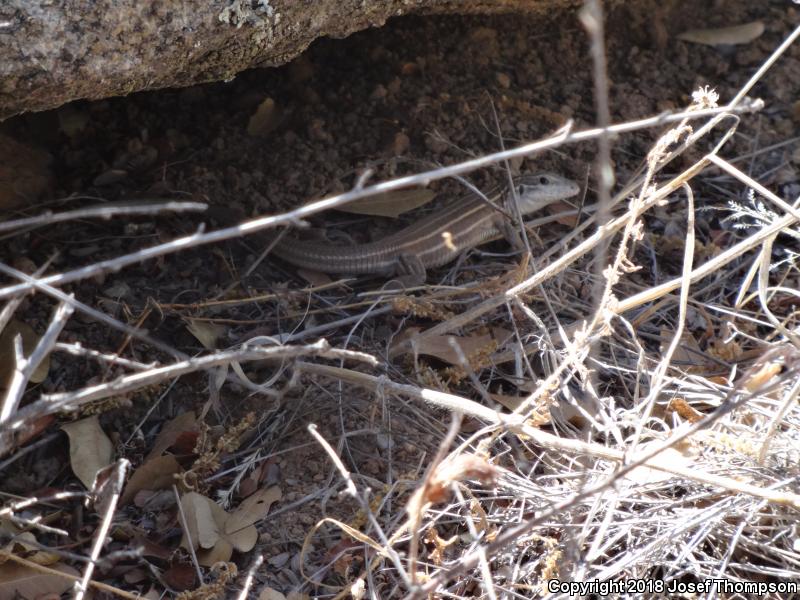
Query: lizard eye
<point x="544" y="180"/>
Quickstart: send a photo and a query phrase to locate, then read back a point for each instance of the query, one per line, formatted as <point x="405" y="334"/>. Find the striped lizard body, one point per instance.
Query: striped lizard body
<point x="435" y="240"/>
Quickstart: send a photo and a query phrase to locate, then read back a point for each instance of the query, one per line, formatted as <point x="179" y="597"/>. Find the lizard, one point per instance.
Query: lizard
<point x="437" y="239"/>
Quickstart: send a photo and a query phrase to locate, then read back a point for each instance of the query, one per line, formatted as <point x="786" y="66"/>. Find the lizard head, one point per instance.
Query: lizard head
<point x="534" y="191"/>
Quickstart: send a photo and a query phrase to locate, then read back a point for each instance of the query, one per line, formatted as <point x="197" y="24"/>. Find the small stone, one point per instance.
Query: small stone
<point x="379" y="93"/>
<point x="503" y="80"/>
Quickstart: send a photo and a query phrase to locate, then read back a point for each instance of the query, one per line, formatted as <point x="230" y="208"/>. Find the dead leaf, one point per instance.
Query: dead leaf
<point x="221" y="552"/>
<point x="253" y="508"/>
<point x="737" y="34"/>
<point x="155" y="474"/>
<point x="315" y="278"/>
<point x="390" y="204"/>
<point x="569" y="216"/>
<point x="24" y="172"/>
<point x="206" y="332"/>
<point x="266" y="118"/>
<point x="440" y="346"/>
<point x="216" y="532"/>
<point x="7" y="360"/>
<point x="171" y="431"/>
<point x="204" y="520"/>
<point x="688" y="355"/>
<point x="180" y="577"/>
<point x="440" y="545"/>
<point x="268" y="593"/>
<point x="24" y="543"/>
<point x="538" y="414"/>
<point x="460" y="468"/>
<point x="684" y="410"/>
<point x="21" y="581"/>
<point x="682" y="456"/>
<point x="760" y="378"/>
<point x="90" y="450"/>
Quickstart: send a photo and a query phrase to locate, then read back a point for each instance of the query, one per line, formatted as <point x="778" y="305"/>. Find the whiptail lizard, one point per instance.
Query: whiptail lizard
<point x="435" y="240"/>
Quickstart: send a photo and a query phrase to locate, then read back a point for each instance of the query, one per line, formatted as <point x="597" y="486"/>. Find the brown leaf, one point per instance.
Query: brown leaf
<point x="218" y="533"/>
<point x="180" y="577"/>
<point x="537" y="414"/>
<point x="24" y="172"/>
<point x="24" y="542"/>
<point x="242" y="539"/>
<point x="154" y="474"/>
<point x="764" y="375"/>
<point x="170" y="431"/>
<point x="737" y="34"/>
<point x="266" y="118"/>
<point x="688" y="355"/>
<point x="440" y="346"/>
<point x="206" y="332"/>
<point x="204" y="520"/>
<point x="315" y="278"/>
<point x="7" y="360"/>
<point x="18" y="580"/>
<point x="253" y="508"/>
<point x="268" y="593"/>
<point x="569" y="218"/>
<point x="221" y="552"/>
<point x="390" y="204"/>
<point x="90" y="450"/>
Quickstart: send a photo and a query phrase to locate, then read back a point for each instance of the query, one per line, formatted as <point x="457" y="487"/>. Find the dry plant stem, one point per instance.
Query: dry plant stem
<point x="512" y="534"/>
<point x="297" y="215"/>
<point x="92" y="312"/>
<point x="102" y="531"/>
<point x="11" y="306"/>
<point x="752" y="183"/>
<point x="417" y="511"/>
<point x="766" y="251"/>
<point x="47" y="404"/>
<point x="763" y="284"/>
<point x="54" y="573"/>
<point x="26" y="366"/>
<point x="102" y="212"/>
<point x="248" y="581"/>
<point x="286" y="338"/>
<point x="189" y="541"/>
<point x="790" y="398"/>
<point x="588" y="244"/>
<point x="553" y="268"/>
<point x="549" y="441"/>
<point x="591" y="15"/>
<point x="767" y="64"/>
<point x="22" y="504"/>
<point x="337" y="462"/>
<point x="486" y="574"/>
<point x="710" y="266"/>
<point x="353" y="491"/>
<point x="77" y="349"/>
<point x="658" y="380"/>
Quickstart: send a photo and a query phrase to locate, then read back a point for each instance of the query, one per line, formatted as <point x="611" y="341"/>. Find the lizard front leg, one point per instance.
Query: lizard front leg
<point x="409" y="270"/>
<point x="509" y="230"/>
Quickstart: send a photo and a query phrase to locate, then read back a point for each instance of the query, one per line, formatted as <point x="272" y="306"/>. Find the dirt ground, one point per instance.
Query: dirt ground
<point x="416" y="93"/>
